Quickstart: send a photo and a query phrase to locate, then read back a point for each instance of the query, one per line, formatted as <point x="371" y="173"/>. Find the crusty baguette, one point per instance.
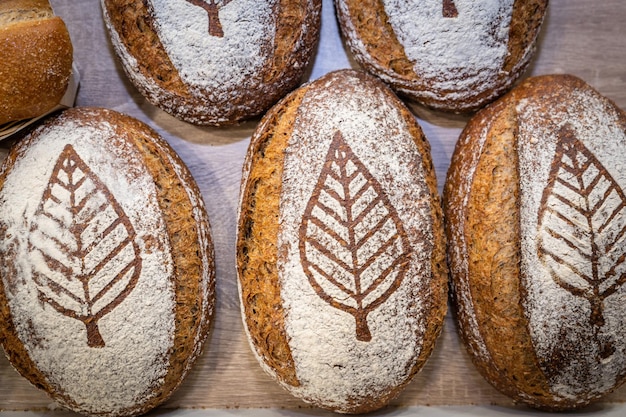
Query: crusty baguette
<point x="35" y="59"/>
<point x="537" y="272"/>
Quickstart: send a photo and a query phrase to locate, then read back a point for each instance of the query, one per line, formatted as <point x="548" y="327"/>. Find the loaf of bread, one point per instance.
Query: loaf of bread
<point x="536" y="223"/>
<point x="340" y="248"/>
<point x="212" y="62"/>
<point x="35" y="59"/>
<point x="451" y="55"/>
<point x="106" y="263"/>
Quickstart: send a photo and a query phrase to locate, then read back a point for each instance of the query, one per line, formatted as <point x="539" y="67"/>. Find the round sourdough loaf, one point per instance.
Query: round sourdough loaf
<point x="340" y="248"/>
<point x="106" y="260"/>
<point x="536" y="224"/>
<point x="213" y="62"/>
<point x="35" y="57"/>
<point x="452" y="55"/>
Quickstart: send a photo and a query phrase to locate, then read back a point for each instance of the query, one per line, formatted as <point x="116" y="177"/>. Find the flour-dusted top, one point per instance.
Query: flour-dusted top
<point x="87" y="268"/>
<point x="573" y="230"/>
<point x="441" y="47"/>
<point x="213" y="62"/>
<point x="355" y="243"/>
<point x="452" y="55"/>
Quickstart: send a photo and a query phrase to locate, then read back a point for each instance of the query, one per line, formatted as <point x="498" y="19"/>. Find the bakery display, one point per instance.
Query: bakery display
<point x="213" y="62"/>
<point x="35" y="59"/>
<point x="340" y="248"/>
<point x="453" y="55"/>
<point x="106" y="263"/>
<point x="536" y="221"/>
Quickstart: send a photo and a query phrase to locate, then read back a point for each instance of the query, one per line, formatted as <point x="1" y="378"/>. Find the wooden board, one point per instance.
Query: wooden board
<point x="579" y="37"/>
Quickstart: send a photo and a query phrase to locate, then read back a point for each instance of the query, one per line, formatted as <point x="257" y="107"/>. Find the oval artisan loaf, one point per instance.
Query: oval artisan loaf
<point x="340" y="248"/>
<point x="536" y="224"/>
<point x="106" y="260"/>
<point x="35" y="59"/>
<point x="452" y="55"/>
<point x="213" y="62"/>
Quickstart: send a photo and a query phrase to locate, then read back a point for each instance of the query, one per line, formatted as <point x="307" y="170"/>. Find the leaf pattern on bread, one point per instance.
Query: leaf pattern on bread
<point x="352" y="243"/>
<point x="582" y="228"/>
<point x="85" y="259"/>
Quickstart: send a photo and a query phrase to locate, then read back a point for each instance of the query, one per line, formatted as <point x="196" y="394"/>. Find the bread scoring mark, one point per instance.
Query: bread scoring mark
<point x="212" y="9"/>
<point x="85" y="258"/>
<point x="352" y="243"/>
<point x="581" y="230"/>
<point x="449" y="9"/>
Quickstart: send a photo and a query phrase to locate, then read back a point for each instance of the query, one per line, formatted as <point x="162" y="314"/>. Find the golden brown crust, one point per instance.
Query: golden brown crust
<point x="133" y="22"/>
<point x="483" y="225"/>
<point x="373" y="28"/>
<point x="376" y="47"/>
<point x="192" y="320"/>
<point x="257" y="251"/>
<point x="189" y="238"/>
<point x="133" y="25"/>
<point x="36" y="59"/>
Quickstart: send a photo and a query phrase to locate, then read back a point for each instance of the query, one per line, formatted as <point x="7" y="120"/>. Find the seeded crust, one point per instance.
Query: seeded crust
<point x="257" y="252"/>
<point x="492" y="239"/>
<point x="36" y="58"/>
<point x="189" y="235"/>
<point x="297" y="29"/>
<point x="481" y="207"/>
<point x="383" y="55"/>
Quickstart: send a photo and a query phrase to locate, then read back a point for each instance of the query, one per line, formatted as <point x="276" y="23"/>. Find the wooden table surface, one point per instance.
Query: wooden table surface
<point x="581" y="37"/>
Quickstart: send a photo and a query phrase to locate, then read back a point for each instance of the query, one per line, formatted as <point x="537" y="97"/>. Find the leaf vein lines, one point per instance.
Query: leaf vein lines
<point x="372" y="231"/>
<point x="328" y="230"/>
<point x="568" y="242"/>
<point x="383" y="275"/>
<point x="376" y="255"/>
<point x="332" y="213"/>
<point x="120" y="246"/>
<point x="371" y="206"/>
<point x="563" y="218"/>
<point x="573" y="268"/>
<point x="114" y="281"/>
<point x="331" y="256"/>
<point x="332" y="280"/>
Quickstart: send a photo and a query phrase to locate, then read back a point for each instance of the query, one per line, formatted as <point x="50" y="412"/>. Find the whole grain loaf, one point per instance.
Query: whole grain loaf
<point x="340" y="248"/>
<point x="106" y="263"/>
<point x="536" y="220"/>
<point x="452" y="55"/>
<point x="213" y="62"/>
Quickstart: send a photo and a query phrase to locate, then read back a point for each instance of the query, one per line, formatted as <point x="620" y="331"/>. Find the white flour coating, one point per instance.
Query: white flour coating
<point x="457" y="57"/>
<point x="473" y="43"/>
<point x="333" y="367"/>
<point x="138" y="333"/>
<point x="215" y="65"/>
<point x="550" y="308"/>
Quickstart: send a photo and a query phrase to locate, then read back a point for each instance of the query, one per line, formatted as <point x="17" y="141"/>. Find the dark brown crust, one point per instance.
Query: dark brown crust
<point x="385" y="57"/>
<point x="297" y="31"/>
<point x="192" y="320"/>
<point x="491" y="246"/>
<point x="257" y="251"/>
<point x="36" y="56"/>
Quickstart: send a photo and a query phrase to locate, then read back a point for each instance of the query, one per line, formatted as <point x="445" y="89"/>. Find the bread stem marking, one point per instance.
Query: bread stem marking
<point x="212" y="8"/>
<point x="85" y="258"/>
<point x="449" y="9"/>
<point x="353" y="246"/>
<point x="582" y="226"/>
